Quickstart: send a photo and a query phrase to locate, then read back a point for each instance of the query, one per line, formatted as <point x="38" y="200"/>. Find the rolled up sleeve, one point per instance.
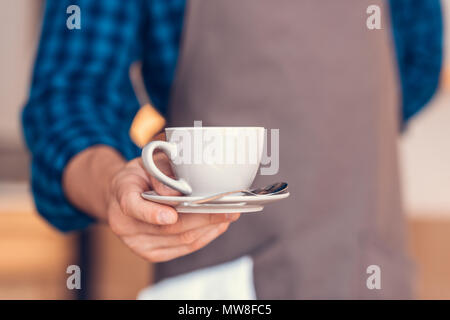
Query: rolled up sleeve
<point x="80" y="96"/>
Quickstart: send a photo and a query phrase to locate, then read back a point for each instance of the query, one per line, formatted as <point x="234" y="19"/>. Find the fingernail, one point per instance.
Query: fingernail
<point x="165" y="217"/>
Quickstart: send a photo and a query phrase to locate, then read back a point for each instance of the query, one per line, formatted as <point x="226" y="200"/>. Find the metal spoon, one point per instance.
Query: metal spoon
<point x="271" y="189"/>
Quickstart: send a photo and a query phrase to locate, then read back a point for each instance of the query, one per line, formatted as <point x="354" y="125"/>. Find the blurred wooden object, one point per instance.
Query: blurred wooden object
<point x="146" y="124"/>
<point x="430" y="246"/>
<point x="116" y="272"/>
<point x="446" y="78"/>
<point x="34" y="257"/>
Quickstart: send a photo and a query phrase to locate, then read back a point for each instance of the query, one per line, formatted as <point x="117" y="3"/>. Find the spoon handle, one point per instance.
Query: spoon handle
<point x="215" y="197"/>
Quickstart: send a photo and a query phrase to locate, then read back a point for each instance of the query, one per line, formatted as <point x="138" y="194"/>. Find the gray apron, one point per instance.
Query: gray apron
<point x="312" y="69"/>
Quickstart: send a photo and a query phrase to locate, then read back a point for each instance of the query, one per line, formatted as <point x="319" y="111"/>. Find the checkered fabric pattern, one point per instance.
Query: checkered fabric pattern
<point x="418" y="34"/>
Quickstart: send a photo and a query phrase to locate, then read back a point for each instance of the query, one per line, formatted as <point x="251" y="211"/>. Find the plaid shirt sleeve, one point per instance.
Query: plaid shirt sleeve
<point x="80" y="96"/>
<point x="418" y="35"/>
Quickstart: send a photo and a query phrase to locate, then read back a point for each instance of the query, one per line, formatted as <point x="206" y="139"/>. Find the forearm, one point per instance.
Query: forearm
<point x="87" y="179"/>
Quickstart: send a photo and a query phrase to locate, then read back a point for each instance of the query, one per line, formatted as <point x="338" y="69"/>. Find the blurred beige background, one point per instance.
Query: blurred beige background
<point x="34" y="257"/>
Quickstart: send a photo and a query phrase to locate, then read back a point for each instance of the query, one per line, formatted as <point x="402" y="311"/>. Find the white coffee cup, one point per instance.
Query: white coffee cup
<point x="208" y="160"/>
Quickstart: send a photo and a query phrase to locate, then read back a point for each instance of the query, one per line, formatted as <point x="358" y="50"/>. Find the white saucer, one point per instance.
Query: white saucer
<point x="217" y="208"/>
<point x="228" y="204"/>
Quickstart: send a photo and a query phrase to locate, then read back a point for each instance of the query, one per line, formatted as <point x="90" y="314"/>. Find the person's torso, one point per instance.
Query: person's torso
<point x="313" y="70"/>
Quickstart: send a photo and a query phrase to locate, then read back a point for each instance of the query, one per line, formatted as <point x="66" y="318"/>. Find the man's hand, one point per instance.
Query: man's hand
<point x="154" y="231"/>
<point x="100" y="182"/>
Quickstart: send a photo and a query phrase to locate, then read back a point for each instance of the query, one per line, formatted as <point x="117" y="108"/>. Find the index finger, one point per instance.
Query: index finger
<point x="163" y="164"/>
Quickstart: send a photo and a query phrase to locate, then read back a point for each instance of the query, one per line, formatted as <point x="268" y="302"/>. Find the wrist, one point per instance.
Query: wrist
<point x="88" y="178"/>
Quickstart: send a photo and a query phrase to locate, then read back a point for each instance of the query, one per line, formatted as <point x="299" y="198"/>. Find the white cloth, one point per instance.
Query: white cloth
<point x="231" y="280"/>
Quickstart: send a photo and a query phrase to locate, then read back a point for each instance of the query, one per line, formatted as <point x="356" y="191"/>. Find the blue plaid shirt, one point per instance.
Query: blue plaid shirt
<point x="81" y="94"/>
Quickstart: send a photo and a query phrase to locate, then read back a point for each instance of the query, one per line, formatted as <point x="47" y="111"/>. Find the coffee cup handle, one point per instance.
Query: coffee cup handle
<point x="171" y="150"/>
